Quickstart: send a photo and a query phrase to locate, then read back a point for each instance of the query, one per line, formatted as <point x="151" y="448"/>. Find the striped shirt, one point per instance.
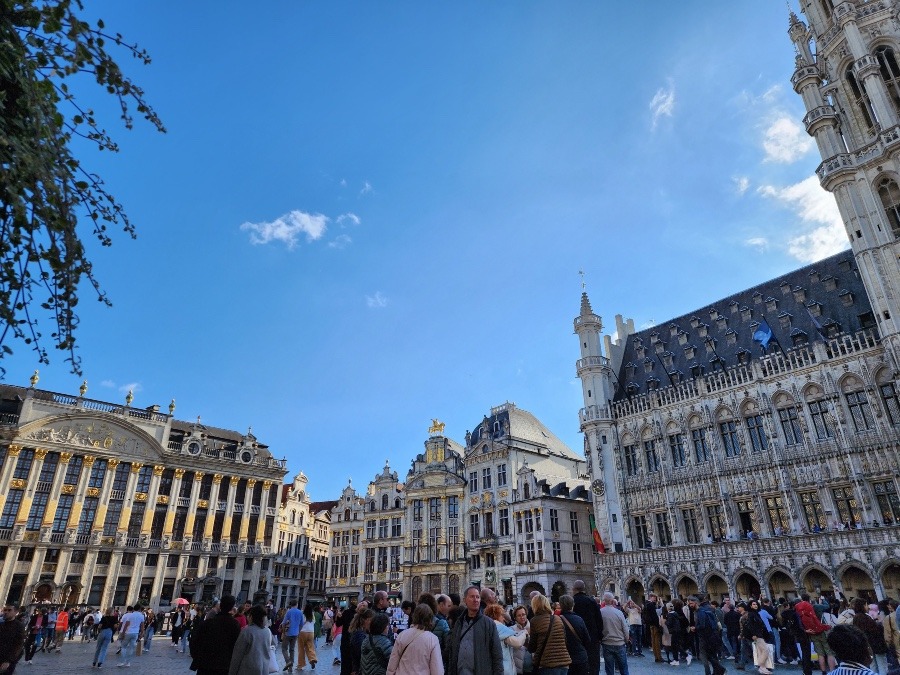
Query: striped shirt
<point x="851" y="668"/>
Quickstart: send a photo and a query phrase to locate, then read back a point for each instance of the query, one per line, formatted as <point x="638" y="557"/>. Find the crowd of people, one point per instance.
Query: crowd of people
<point x="475" y="635"/>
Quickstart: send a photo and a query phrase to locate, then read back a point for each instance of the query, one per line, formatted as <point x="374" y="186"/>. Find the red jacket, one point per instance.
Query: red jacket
<point x="808" y="618"/>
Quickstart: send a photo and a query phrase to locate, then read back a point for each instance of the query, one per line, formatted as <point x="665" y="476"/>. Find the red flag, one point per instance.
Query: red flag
<point x="598" y="542"/>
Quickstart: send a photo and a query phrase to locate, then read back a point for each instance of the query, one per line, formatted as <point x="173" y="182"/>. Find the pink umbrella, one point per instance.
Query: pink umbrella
<point x="181" y="601"/>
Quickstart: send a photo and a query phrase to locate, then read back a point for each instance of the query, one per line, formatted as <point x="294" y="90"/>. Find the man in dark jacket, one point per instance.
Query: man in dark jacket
<point x="578" y="640"/>
<point x="587" y="609"/>
<point x="12" y="639"/>
<point x="650" y="618"/>
<point x="474" y="641"/>
<point x="709" y="637"/>
<point x="213" y="641"/>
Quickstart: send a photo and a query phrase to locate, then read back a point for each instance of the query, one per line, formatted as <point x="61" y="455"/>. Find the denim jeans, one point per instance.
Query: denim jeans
<point x="614" y="657"/>
<point x="129" y="640"/>
<point x="562" y="670"/>
<point x="103" y="641"/>
<point x="148" y="637"/>
<point x="637" y="637"/>
<point x="726" y="643"/>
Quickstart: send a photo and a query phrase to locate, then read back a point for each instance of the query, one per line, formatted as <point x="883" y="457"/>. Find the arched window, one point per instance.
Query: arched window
<point x="861" y="99"/>
<point x="889" y="193"/>
<point x="384" y="502"/>
<point x="890" y="73"/>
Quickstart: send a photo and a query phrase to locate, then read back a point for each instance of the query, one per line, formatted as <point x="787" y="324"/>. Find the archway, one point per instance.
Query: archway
<point x="558" y="589"/>
<point x="43" y="592"/>
<point x="890" y="580"/>
<point x="857" y="584"/>
<point x="746" y="586"/>
<point x="70" y="593"/>
<point x="686" y="586"/>
<point x="781" y="585"/>
<point x="528" y="589"/>
<point x="716" y="587"/>
<point x="817" y="582"/>
<point x="453" y="584"/>
<point x="660" y="587"/>
<point x="634" y="589"/>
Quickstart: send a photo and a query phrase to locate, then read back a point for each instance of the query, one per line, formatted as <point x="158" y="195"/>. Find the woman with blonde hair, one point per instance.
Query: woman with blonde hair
<point x="509" y="638"/>
<point x="547" y="641"/>
<point x="417" y="650"/>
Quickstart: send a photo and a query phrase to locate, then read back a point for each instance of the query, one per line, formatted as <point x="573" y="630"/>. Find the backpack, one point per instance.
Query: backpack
<point x="846" y="617"/>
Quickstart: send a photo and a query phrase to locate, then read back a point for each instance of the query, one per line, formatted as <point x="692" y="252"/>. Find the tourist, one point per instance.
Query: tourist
<point x="851" y="649"/>
<point x="290" y="630"/>
<point x="521" y="656"/>
<point x="213" y="642"/>
<point x="666" y="638"/>
<point x="441" y="627"/>
<point x="578" y="640"/>
<point x="709" y="638"/>
<point x="149" y="628"/>
<point x="35" y="633"/>
<point x="107" y="627"/>
<point x="132" y="625"/>
<point x="874" y="634"/>
<point x="615" y="635"/>
<point x="677" y="623"/>
<point x="416" y="650"/>
<point x="12" y="639"/>
<point x="253" y="647"/>
<point x="357" y="633"/>
<point x="376" y="648"/>
<point x="61" y="628"/>
<point x="755" y="631"/>
<point x="891" y="632"/>
<point x="650" y="614"/>
<point x="474" y="643"/>
<point x="547" y="642"/>
<point x="589" y="611"/>
<point x="633" y="615"/>
<point x="306" y="647"/>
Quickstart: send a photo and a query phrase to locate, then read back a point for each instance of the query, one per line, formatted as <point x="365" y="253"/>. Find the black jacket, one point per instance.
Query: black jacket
<point x="578" y="642"/>
<point x="649" y="615"/>
<point x="12" y="641"/>
<point x="213" y="642"/>
<point x="587" y="609"/>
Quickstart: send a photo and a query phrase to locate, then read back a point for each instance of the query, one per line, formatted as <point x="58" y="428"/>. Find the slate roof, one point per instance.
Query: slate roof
<point x="523" y="426"/>
<point x="316" y="507"/>
<point x="829" y="291"/>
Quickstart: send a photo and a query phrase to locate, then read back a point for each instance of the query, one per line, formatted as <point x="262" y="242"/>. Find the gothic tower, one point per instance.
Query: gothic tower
<point x="848" y="75"/>
<point x="598" y="426"/>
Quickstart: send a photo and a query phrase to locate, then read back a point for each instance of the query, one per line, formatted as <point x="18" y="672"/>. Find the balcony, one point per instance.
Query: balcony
<point x="9" y="419"/>
<point x="488" y="541"/>
<point x="591" y="362"/>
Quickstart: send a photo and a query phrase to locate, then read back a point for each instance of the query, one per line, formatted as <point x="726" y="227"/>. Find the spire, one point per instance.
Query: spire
<point x="585" y="305"/>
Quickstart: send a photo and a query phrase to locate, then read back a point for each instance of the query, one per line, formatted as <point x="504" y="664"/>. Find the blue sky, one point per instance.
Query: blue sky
<point x="367" y="215"/>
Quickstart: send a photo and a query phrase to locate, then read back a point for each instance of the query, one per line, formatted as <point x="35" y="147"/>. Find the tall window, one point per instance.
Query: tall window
<point x="576" y="553"/>
<point x="370" y="529"/>
<point x="813" y="511"/>
<point x="651" y="456"/>
<point x="370" y="561"/>
<point x="529" y="552"/>
<point x="529" y="523"/>
<point x="63" y="511"/>
<point x="632" y="465"/>
<point x="23" y="466"/>
<point x="382" y="558"/>
<point x="691" y="529"/>
<point x="395" y="561"/>
<point x="98" y="471"/>
<point x="860" y="410"/>
<point x="475" y="562"/>
<point x="889" y="192"/>
<point x="663" y="531"/>
<point x="396" y="527"/>
<point x="383" y="528"/>
<point x="473" y="481"/>
<point x="790" y="426"/>
<point x="860" y="99"/>
<point x="717" y="525"/>
<point x="556" y="549"/>
<point x="143" y="480"/>
<point x="822" y="420"/>
<point x="701" y="448"/>
<point x="417" y="510"/>
<point x="676" y="445"/>
<point x="554" y="520"/>
<point x="453" y="507"/>
<point x="488" y="520"/>
<point x="890" y="73"/>
<point x="642" y="532"/>
<point x="730" y="438"/>
<point x="889" y="396"/>
<point x="573" y="521"/>
<point x="503" y="515"/>
<point x="848" y="507"/>
<point x="501" y="475"/>
<point x="38" y="507"/>
<point x="486" y="478"/>
<point x="73" y="471"/>
<point x="434" y="508"/>
<point x="11" y="508"/>
<point x="48" y="469"/>
<point x="778" y="516"/>
<point x="757" y="433"/>
<point x="474" y="526"/>
<point x="888" y="504"/>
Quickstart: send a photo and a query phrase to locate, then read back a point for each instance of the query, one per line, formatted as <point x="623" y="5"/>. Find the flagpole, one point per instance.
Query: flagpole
<point x="777" y="341"/>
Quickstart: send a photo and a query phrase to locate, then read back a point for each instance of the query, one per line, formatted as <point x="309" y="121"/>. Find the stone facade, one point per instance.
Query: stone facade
<point x="720" y="465"/>
<point x="104" y="504"/>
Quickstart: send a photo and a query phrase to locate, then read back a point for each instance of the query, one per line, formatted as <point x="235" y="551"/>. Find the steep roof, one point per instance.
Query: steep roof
<point x="523" y="426"/>
<point x="829" y="292"/>
<point x="316" y="507"/>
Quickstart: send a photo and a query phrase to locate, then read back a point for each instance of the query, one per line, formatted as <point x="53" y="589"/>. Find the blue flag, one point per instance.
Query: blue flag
<point x="763" y="334"/>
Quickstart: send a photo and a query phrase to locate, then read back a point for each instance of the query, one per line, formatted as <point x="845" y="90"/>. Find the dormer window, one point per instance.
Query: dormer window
<point x="746" y="313"/>
<point x="654" y="338"/>
<point x="639" y="352"/>
<point x="784" y="319"/>
<point x="695" y="321"/>
<point x="660" y="347"/>
<point x="631" y="389"/>
<point x="713" y="313"/>
<point x="667" y="359"/>
<point x="710" y="346"/>
<point x="799" y="294"/>
<point x="815" y="308"/>
<point x="629" y="370"/>
<point x="696" y="370"/>
<point x="721" y="322"/>
<point x="690" y="352"/>
<point x="845" y="265"/>
<point x="673" y="330"/>
<point x="757" y="298"/>
<point x="813" y="276"/>
<point x="682" y="338"/>
<point x="652" y="384"/>
<point x="832" y="328"/>
<point x="703" y="330"/>
<point x="846" y="297"/>
<point x="730" y="337"/>
<point x="676" y="377"/>
<point x="743" y="357"/>
<point x="733" y="306"/>
<point x="799" y="337"/>
<point x="771" y="304"/>
<point x="785" y="287"/>
<point x="829" y="282"/>
<point x="648" y="365"/>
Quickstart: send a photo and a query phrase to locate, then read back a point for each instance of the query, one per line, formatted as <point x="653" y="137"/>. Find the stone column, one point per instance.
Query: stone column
<point x="104" y="493"/>
<point x="129" y="496"/>
<point x="193" y="505"/>
<point x="151" y="499"/>
<point x="245" y="516"/>
<point x="229" y="508"/>
<point x="174" y="493"/>
<point x="213" y="507"/>
<point x="80" y="492"/>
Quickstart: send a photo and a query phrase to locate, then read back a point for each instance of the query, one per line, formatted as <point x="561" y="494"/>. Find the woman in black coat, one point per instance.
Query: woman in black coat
<point x="677" y="623"/>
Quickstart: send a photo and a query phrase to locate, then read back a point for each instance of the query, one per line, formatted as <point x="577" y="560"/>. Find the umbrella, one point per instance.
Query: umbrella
<point x="181" y="601"/>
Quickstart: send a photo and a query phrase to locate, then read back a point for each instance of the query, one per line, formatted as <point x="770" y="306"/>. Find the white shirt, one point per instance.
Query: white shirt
<point x="133" y="621"/>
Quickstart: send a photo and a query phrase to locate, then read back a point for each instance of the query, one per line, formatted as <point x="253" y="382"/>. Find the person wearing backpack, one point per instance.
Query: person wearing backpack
<point x="709" y="638"/>
<point x="376" y="648"/>
<point x="578" y="640"/>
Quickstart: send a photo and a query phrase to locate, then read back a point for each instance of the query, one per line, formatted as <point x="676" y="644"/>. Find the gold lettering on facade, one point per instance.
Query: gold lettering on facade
<point x="17" y="484"/>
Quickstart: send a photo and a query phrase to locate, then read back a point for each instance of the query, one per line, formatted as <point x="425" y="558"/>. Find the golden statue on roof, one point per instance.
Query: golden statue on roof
<point x="437" y="427"/>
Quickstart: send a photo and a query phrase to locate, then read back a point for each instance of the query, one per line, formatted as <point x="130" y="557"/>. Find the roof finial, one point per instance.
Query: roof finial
<point x="581" y="273"/>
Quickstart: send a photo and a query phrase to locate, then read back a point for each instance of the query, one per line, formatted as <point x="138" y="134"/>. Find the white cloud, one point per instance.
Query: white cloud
<point x="663" y="103"/>
<point x="771" y="94"/>
<point x="759" y="243"/>
<point x="785" y="140"/>
<point x="741" y="183"/>
<point x="348" y="218"/>
<point x="815" y="207"/>
<point x="648" y="324"/>
<point x="340" y="241"/>
<point x="288" y="228"/>
<point x="109" y="384"/>
<point x="133" y="387"/>
<point x="366" y="188"/>
<point x="343" y="182"/>
<point x="376" y="301"/>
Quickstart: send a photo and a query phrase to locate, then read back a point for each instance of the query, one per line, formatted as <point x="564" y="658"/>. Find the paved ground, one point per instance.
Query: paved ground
<point x="162" y="659"/>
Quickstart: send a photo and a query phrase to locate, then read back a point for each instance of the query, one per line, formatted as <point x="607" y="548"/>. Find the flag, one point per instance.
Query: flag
<point x="816" y="323"/>
<point x="598" y="542"/>
<point x="763" y="334"/>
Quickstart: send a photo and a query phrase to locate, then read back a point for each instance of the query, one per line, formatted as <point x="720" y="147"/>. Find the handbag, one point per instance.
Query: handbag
<point x="274" y="666"/>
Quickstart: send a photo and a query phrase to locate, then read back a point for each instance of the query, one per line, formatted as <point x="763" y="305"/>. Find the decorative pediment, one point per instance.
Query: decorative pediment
<point x="93" y="433"/>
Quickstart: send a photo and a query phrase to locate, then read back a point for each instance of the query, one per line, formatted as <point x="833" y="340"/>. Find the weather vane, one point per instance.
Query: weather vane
<point x="581" y="274"/>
